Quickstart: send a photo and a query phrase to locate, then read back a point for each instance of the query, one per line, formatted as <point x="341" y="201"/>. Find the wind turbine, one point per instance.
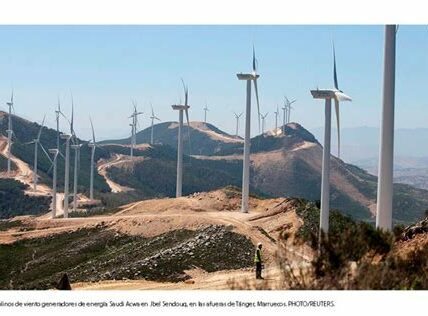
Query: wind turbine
<point x="288" y="104"/>
<point x="205" y="110"/>
<point x="153" y="118"/>
<point x="386" y="155"/>
<point x="327" y="95"/>
<point x="237" y="121"/>
<point x="55" y="153"/>
<point x="133" y="125"/>
<point x="67" y="138"/>
<point x="284" y="117"/>
<point x="92" y="144"/>
<point x="263" y="122"/>
<point x="180" y="108"/>
<point x="37" y="143"/>
<point x="58" y="113"/>
<point x="9" y="133"/>
<point x="76" y="146"/>
<point x="276" y="119"/>
<point x="246" y="161"/>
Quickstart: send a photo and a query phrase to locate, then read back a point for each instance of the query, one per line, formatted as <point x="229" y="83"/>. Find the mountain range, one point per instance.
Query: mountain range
<point x="286" y="164"/>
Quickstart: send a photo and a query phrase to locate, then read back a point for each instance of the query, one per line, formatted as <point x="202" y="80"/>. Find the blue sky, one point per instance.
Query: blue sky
<point x="107" y="66"/>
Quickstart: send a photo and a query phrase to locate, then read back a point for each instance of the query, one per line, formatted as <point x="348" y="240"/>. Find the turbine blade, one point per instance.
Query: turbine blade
<point x="336" y="85"/>
<point x="41" y="127"/>
<point x="257" y="99"/>
<point x="254" y="60"/>
<point x="46" y="153"/>
<point x="93" y="132"/>
<point x="336" y="104"/>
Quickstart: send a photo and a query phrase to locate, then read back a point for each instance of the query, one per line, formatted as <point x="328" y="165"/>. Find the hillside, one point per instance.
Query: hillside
<point x="203" y="242"/>
<point x="281" y="165"/>
<point x="287" y="165"/>
<point x="206" y="139"/>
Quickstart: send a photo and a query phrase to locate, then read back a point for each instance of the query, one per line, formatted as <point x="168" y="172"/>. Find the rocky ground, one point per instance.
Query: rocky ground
<point x="99" y="254"/>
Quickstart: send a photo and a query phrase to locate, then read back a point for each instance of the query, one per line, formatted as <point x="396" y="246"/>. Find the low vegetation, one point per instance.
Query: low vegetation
<point x="14" y="202"/>
<point x="101" y="254"/>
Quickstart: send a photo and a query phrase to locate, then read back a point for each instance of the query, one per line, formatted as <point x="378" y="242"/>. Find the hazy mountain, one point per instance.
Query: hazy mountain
<point x="362" y="143"/>
<point x="206" y="139"/>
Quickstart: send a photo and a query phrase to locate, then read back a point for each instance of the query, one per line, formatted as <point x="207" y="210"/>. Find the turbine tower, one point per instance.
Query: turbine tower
<point x="386" y="154"/>
<point x="276" y="119"/>
<point x="37" y="143"/>
<point x="55" y="153"/>
<point x="76" y="146"/>
<point x="153" y="118"/>
<point x="9" y="133"/>
<point x="67" y="138"/>
<point x="133" y="125"/>
<point x="180" y="108"/>
<point x="205" y="110"/>
<point x="246" y="161"/>
<point x="327" y="95"/>
<point x="284" y="117"/>
<point x="263" y="122"/>
<point x="92" y="144"/>
<point x="289" y="107"/>
<point x="237" y="121"/>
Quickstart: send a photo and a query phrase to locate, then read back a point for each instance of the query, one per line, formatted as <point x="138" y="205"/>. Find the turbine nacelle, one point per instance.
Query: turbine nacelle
<point x="252" y="76"/>
<point x="180" y="107"/>
<point x="65" y="136"/>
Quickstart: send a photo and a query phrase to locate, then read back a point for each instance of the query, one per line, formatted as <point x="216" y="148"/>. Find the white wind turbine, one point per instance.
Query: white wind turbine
<point x="289" y="107"/>
<point x="263" y="121"/>
<point x="276" y="119"/>
<point x="9" y="132"/>
<point x="205" y="113"/>
<point x="180" y="108"/>
<point x="246" y="161"/>
<point x="133" y="125"/>
<point x="237" y="121"/>
<point x="67" y="138"/>
<point x="92" y="144"/>
<point x="153" y="118"/>
<point x="284" y="117"/>
<point x="327" y="95"/>
<point x="76" y="147"/>
<point x="386" y="154"/>
<point x="37" y="143"/>
<point x="55" y="153"/>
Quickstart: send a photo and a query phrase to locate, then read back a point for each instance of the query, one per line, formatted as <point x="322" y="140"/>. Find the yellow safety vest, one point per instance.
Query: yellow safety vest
<point x="257" y="255"/>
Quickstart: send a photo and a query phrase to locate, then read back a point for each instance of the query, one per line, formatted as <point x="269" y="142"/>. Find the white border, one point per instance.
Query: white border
<point x="213" y="12"/>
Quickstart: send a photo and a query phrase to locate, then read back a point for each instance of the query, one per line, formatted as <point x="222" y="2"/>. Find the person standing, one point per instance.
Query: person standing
<point x="258" y="260"/>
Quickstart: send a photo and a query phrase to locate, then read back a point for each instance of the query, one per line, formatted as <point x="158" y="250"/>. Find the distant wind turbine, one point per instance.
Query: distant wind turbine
<point x="9" y="133"/>
<point x="205" y="110"/>
<point x="289" y="107"/>
<point x="133" y="125"/>
<point x="237" y="121"/>
<point x="37" y="143"/>
<point x="92" y="144"/>
<point x="153" y="118"/>
<point x="246" y="161"/>
<point x="327" y="95"/>
<point x="386" y="155"/>
<point x="180" y="108"/>
<point x="263" y="122"/>
<point x="55" y="153"/>
<point x="284" y="116"/>
<point x="67" y="138"/>
<point x="276" y="118"/>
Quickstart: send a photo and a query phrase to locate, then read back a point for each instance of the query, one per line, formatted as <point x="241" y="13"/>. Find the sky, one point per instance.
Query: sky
<point x="106" y="67"/>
